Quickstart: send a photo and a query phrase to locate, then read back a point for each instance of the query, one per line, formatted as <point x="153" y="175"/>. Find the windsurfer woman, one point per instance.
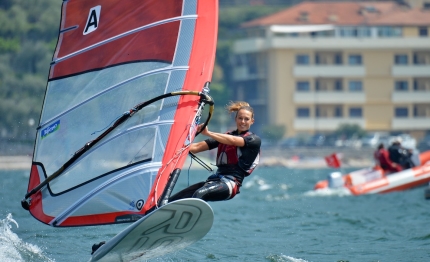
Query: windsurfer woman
<point x="237" y="156"/>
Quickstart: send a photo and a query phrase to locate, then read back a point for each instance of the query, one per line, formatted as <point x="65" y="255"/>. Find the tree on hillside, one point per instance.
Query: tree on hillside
<point x="28" y="33"/>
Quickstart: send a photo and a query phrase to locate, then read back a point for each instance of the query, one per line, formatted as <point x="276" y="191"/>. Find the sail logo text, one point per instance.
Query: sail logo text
<point x="92" y="20"/>
<point x="50" y="129"/>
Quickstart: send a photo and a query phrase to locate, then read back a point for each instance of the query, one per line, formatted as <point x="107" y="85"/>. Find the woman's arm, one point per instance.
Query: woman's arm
<point x="225" y="138"/>
<point x="221" y="138"/>
<point x="198" y="147"/>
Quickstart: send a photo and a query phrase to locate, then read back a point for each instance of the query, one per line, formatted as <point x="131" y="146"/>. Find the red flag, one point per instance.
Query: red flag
<point x="332" y="160"/>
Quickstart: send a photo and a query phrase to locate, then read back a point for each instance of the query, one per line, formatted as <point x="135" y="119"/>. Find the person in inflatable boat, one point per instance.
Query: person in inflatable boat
<point x="400" y="155"/>
<point x="237" y="156"/>
<point x="382" y="159"/>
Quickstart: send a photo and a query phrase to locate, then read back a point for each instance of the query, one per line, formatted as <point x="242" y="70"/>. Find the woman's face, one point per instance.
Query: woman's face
<point x="244" y="120"/>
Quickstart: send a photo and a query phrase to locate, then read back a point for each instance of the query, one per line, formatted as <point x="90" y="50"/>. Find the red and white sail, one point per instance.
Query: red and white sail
<point x="112" y="55"/>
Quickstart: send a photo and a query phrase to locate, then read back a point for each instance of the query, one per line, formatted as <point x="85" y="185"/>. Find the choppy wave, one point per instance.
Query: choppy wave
<point x="12" y="248"/>
<point x="272" y="191"/>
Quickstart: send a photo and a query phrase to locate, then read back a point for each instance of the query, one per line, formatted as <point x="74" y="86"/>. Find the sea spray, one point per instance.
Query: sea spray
<point x="12" y="248"/>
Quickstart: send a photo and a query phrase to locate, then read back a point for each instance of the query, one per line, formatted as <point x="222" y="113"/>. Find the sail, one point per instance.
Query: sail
<point x="121" y="104"/>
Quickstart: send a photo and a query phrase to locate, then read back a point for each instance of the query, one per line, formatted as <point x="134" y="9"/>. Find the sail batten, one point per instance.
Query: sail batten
<point x="123" y="98"/>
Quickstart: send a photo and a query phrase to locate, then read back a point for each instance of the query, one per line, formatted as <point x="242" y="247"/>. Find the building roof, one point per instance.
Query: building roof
<point x="346" y="13"/>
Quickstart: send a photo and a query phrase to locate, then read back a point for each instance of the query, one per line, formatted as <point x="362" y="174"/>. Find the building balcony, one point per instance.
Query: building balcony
<point x="325" y="123"/>
<point x="329" y="97"/>
<point x="416" y="123"/>
<point x="411" y="97"/>
<point x="251" y="45"/>
<point x="329" y="71"/>
<point x="242" y="74"/>
<point x="411" y="70"/>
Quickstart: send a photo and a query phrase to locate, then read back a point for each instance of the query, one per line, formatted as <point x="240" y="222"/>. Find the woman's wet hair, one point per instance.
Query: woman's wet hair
<point x="239" y="105"/>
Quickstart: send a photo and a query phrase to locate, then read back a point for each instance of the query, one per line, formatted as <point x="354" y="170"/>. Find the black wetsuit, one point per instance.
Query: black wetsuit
<point x="400" y="156"/>
<point x="395" y="153"/>
<point x="234" y="164"/>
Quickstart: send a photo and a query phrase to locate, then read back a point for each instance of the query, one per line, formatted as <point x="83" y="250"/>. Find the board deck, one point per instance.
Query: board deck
<point x="167" y="229"/>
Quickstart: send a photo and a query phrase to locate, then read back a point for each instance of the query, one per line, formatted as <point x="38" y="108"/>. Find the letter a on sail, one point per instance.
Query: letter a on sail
<point x="92" y="20"/>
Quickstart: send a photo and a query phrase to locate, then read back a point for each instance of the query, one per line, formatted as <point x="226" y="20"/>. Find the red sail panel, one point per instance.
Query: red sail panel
<point x="201" y="66"/>
<point x="36" y="207"/>
<point x="115" y="18"/>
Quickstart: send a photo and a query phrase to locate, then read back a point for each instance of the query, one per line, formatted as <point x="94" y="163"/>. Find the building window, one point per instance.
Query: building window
<point x="302" y="59"/>
<point x="252" y="62"/>
<point x="328" y="58"/>
<point x="401" y="59"/>
<point x="303" y="112"/>
<point x="422" y="84"/>
<point x="365" y="32"/>
<point x="401" y="85"/>
<point x="401" y="112"/>
<point x="388" y="31"/>
<point x="422" y="110"/>
<point x="302" y="86"/>
<point x="416" y="85"/>
<point x="348" y="32"/>
<point x="338" y="111"/>
<point x="330" y="33"/>
<point x="354" y="59"/>
<point x="355" y="112"/>
<point x="423" y="31"/>
<point x="418" y="112"/>
<point x="354" y="32"/>
<point x="338" y="86"/>
<point x="239" y="60"/>
<point x="355" y="86"/>
<point x="338" y="59"/>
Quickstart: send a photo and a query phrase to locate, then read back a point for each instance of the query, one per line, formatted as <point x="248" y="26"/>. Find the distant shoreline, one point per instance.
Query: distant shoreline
<point x="24" y="162"/>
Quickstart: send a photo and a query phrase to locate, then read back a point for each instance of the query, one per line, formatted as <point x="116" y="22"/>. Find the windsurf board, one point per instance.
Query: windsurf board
<point x="167" y="229"/>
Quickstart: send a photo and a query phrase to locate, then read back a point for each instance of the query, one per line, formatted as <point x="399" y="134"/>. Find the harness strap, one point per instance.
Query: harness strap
<point x="232" y="185"/>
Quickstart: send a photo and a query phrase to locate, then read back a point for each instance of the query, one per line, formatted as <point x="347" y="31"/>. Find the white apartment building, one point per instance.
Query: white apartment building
<point x="316" y="65"/>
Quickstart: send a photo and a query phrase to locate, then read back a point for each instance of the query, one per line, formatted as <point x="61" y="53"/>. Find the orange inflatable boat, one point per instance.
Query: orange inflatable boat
<point x="375" y="180"/>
